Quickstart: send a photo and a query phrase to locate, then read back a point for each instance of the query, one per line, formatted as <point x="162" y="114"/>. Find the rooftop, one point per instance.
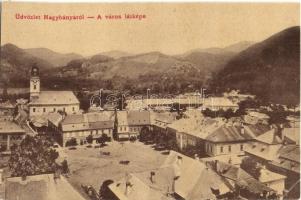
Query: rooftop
<point x="10" y="127"/>
<point x="138" y="117"/>
<point x="239" y="176"/>
<point x="55" y="98"/>
<point x="228" y="134"/>
<point x="40" y="187"/>
<point x="195" y="181"/>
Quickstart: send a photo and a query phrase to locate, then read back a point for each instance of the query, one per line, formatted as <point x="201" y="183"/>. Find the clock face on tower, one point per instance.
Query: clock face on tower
<point x="35" y="71"/>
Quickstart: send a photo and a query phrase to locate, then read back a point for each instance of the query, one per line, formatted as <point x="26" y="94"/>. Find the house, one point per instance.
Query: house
<point x="273" y="180"/>
<point x="42" y="102"/>
<point x="160" y="121"/>
<point x="122" y="125"/>
<point x="180" y="177"/>
<point x="273" y="152"/>
<point x="6" y="110"/>
<point x="256" y="117"/>
<point x="40" y="187"/>
<point x="166" y="103"/>
<point x="215" y="137"/>
<point x="246" y="186"/>
<point x="10" y="133"/>
<point x="293" y="121"/>
<point x="217" y="103"/>
<point x="138" y="120"/>
<point x="80" y="126"/>
<point x="231" y="139"/>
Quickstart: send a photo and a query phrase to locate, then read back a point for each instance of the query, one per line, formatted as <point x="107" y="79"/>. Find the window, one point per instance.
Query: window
<point x="73" y="109"/>
<point x="53" y="109"/>
<point x="229" y="148"/>
<point x="34" y="87"/>
<point x="44" y="109"/>
<point x="222" y="149"/>
<point x="33" y="109"/>
<point x="241" y="147"/>
<point x="64" y="109"/>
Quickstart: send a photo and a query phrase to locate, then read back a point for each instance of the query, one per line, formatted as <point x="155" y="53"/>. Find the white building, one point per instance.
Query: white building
<point x="44" y="102"/>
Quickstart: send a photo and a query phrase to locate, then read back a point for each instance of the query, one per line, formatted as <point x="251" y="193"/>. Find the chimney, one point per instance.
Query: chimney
<point x="179" y="160"/>
<point x="242" y="130"/>
<point x="152" y="176"/>
<point x="127" y="184"/>
<point x="127" y="187"/>
<point x="1" y="172"/>
<point x="281" y="132"/>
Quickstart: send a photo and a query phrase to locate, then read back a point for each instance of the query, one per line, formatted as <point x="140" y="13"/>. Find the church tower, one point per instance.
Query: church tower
<point x="34" y="83"/>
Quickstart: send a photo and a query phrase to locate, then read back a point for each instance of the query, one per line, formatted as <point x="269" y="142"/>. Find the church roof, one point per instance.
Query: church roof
<point x="55" y="98"/>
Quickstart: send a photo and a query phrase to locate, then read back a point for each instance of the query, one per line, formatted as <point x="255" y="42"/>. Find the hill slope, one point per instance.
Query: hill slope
<point x="56" y="59"/>
<point x="270" y="69"/>
<point x="16" y="64"/>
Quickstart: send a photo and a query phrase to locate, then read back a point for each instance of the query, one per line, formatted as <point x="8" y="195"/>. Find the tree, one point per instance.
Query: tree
<point x="65" y="167"/>
<point x="89" y="139"/>
<point x="115" y="128"/>
<point x="103" y="139"/>
<point x="251" y="166"/>
<point x="33" y="156"/>
<point x="145" y="134"/>
<point x="71" y="142"/>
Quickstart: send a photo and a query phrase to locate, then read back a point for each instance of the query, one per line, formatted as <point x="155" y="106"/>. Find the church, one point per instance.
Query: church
<point x="44" y="102"/>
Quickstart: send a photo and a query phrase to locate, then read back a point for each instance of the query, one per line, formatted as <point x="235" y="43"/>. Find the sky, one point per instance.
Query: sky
<point x="171" y="28"/>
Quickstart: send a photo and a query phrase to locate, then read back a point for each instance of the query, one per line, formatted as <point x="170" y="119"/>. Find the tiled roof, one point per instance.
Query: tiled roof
<point x="219" y="102"/>
<point x="40" y="187"/>
<point x="166" y="117"/>
<point x="290" y="152"/>
<point x="240" y="177"/>
<point x="270" y="137"/>
<point x="7" y="105"/>
<point x="138" y="117"/>
<point x="55" y="98"/>
<point x="101" y="120"/>
<point x="10" y="127"/>
<point x="55" y="118"/>
<point x="100" y="116"/>
<point x="256" y="129"/>
<point x="258" y="115"/>
<point x="228" y="134"/>
<point x="122" y="118"/>
<point x="195" y="179"/>
<point x="73" y="119"/>
<point x="138" y="188"/>
<point x="101" y="125"/>
<point x="293" y="134"/>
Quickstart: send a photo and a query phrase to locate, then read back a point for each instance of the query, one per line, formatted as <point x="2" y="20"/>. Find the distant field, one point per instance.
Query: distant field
<point x="88" y="167"/>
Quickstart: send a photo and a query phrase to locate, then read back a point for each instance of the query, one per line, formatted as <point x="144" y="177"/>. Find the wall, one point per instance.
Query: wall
<point x="277" y="185"/>
<point x="70" y="109"/>
<point x="82" y="135"/>
<point x="216" y="148"/>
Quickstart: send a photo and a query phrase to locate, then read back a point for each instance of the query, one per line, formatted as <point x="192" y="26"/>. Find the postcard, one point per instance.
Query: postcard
<point x="149" y="101"/>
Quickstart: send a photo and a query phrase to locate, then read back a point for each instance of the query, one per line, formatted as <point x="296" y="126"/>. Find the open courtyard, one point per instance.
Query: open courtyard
<point x="92" y="166"/>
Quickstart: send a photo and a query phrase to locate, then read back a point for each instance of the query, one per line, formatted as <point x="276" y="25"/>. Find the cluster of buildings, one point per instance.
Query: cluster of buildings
<point x="212" y="103"/>
<point x="206" y="163"/>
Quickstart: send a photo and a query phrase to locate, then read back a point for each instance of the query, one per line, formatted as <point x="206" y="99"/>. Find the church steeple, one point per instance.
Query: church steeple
<point x="34" y="83"/>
